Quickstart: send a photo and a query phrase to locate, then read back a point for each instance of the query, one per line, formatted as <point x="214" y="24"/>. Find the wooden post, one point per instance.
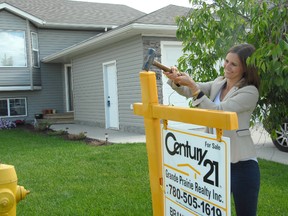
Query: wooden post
<point x="153" y="140"/>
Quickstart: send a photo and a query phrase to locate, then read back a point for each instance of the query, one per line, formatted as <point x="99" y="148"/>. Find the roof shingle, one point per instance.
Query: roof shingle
<point x="164" y="16"/>
<point x="77" y="13"/>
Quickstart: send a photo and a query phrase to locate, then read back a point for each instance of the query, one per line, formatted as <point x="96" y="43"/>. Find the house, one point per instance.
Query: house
<point x="82" y="58"/>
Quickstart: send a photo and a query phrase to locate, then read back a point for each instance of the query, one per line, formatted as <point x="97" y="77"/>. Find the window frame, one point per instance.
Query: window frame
<point x="9" y="108"/>
<point x="25" y="49"/>
<point x="34" y="37"/>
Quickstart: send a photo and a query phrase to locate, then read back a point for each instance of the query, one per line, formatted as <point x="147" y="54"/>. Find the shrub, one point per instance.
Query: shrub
<point x="80" y="136"/>
<point x="42" y="126"/>
<point x="57" y="133"/>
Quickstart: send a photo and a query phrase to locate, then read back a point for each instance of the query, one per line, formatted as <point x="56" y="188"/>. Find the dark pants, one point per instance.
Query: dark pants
<point x="245" y="185"/>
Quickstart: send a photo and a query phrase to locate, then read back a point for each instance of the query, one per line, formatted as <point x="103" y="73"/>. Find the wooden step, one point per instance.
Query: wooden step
<point x="59" y="115"/>
<point x="59" y="118"/>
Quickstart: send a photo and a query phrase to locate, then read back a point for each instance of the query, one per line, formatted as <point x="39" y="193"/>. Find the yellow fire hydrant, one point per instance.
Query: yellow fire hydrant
<point x="10" y="192"/>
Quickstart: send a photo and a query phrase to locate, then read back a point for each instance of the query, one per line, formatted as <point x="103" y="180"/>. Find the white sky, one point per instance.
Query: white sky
<point x="146" y="6"/>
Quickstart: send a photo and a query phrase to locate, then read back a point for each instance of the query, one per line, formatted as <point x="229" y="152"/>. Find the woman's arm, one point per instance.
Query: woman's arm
<point x="242" y="99"/>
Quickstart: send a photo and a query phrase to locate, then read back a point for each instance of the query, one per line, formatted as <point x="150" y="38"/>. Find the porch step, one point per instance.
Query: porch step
<point x="59" y="118"/>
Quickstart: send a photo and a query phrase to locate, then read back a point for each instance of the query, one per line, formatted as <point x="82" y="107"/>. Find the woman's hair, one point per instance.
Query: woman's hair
<point x="250" y="74"/>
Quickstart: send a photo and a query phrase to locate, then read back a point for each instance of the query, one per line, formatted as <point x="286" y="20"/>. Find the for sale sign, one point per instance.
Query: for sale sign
<point x="196" y="173"/>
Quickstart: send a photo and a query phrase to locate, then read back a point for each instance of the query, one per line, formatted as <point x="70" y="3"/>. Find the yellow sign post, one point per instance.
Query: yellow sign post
<point x="153" y="112"/>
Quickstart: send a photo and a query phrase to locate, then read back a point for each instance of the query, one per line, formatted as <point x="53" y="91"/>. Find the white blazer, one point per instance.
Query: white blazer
<point x="240" y="100"/>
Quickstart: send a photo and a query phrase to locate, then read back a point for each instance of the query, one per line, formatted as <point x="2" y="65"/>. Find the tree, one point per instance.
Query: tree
<point x="210" y="29"/>
<point x="7" y="61"/>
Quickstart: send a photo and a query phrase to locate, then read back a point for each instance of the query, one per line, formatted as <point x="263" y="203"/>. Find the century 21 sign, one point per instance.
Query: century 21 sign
<point x="196" y="173"/>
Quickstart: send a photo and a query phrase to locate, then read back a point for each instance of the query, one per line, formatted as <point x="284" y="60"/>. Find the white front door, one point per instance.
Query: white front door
<point x="111" y="95"/>
<point x="170" y="52"/>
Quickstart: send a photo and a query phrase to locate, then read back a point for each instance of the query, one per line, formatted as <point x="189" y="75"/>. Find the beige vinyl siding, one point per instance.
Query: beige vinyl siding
<point x="89" y="88"/>
<point x="11" y="22"/>
<point x="52" y="40"/>
<point x="14" y="76"/>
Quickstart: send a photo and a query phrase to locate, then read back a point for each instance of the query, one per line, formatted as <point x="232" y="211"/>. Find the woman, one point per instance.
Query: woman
<point x="236" y="91"/>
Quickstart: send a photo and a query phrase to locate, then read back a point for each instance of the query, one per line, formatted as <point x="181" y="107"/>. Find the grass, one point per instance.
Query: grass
<point x="273" y="195"/>
<point x="73" y="178"/>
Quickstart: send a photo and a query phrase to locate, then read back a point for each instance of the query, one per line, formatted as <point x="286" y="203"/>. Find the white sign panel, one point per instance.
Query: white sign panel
<point x="196" y="173"/>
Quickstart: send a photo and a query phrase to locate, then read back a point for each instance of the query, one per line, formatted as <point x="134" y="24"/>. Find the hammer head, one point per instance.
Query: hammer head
<point x="149" y="59"/>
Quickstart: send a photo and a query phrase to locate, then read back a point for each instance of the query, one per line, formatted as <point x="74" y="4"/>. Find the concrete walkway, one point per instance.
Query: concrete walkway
<point x="265" y="147"/>
<point x="114" y="136"/>
<point x="263" y="143"/>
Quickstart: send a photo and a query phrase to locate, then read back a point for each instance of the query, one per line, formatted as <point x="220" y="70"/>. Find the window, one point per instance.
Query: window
<point x="3" y="108"/>
<point x="11" y="107"/>
<point x="12" y="49"/>
<point x="35" y="50"/>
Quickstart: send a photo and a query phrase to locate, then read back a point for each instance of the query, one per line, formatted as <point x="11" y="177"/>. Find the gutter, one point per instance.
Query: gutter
<point x="69" y="26"/>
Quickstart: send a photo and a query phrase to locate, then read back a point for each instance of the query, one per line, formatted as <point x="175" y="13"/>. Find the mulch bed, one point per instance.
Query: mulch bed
<point x="65" y="135"/>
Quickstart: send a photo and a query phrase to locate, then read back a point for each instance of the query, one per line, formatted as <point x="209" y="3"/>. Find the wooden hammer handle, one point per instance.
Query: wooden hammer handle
<point x="161" y="66"/>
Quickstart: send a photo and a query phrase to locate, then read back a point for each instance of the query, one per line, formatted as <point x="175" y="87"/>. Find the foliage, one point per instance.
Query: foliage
<point x="7" y="61"/>
<point x="6" y="124"/>
<point x="79" y="136"/>
<point x="42" y="126"/>
<point x="211" y="29"/>
<point x="57" y="133"/>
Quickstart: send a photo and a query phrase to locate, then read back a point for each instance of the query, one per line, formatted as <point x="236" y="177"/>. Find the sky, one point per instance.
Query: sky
<point x="146" y="6"/>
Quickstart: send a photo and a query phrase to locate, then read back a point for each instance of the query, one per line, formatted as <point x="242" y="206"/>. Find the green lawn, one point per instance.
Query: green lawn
<point x="73" y="178"/>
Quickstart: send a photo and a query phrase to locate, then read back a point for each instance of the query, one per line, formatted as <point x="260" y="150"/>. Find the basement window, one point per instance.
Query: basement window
<point x="13" y="107"/>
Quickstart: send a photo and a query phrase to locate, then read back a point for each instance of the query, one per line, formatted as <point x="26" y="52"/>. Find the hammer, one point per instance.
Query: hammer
<point x="149" y="60"/>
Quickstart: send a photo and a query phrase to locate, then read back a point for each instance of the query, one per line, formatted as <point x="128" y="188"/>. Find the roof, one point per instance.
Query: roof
<point x="61" y="13"/>
<point x="164" y="16"/>
<point x="159" y="23"/>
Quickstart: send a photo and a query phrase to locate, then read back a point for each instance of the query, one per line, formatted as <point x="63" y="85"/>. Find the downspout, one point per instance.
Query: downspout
<point x="29" y="56"/>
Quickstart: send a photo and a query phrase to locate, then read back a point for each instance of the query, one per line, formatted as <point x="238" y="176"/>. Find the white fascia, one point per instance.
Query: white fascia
<point x="21" y="13"/>
<point x="20" y="88"/>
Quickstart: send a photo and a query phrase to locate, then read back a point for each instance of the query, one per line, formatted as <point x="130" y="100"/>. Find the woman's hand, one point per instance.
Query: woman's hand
<point x="185" y="80"/>
<point x="173" y="74"/>
<point x="181" y="78"/>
